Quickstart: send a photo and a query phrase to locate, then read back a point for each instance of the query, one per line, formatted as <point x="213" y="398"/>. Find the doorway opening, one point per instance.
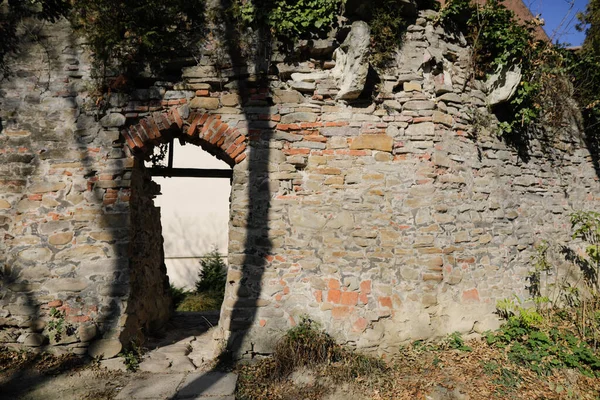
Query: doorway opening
<point x="194" y="217"/>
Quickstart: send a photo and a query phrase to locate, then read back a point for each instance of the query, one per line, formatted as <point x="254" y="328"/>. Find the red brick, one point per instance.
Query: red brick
<point x="262" y="323"/>
<point x="360" y="325"/>
<point x="315" y="138"/>
<point x="333" y="284"/>
<point x="202" y="93"/>
<point x="340" y="312"/>
<point x="334" y="296"/>
<point x="240" y="158"/>
<point x="78" y="318"/>
<point x="241" y="148"/>
<point x="385" y="301"/>
<point x="319" y="296"/>
<point x="55" y="303"/>
<point x="293" y="152"/>
<point x="309" y="125"/>
<point x="177" y="117"/>
<point x="364" y="299"/>
<point x="365" y="287"/>
<point x="470" y="295"/>
<point x="331" y="124"/>
<point x="349" y="298"/>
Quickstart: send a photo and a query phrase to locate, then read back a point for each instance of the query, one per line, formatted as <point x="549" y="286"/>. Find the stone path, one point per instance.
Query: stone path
<point x="197" y="385"/>
<point x="177" y="366"/>
<point x="188" y="345"/>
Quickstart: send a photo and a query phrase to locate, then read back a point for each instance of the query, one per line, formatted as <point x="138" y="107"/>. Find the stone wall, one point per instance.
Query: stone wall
<point x="386" y="217"/>
<point x="70" y="255"/>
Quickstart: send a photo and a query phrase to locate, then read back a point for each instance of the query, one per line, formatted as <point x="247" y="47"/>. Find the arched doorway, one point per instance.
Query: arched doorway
<point x="148" y="269"/>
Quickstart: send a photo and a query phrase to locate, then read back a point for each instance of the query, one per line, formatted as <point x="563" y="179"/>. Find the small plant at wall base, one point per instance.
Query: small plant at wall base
<point x="57" y="326"/>
<point x="210" y="286"/>
<point x="132" y="356"/>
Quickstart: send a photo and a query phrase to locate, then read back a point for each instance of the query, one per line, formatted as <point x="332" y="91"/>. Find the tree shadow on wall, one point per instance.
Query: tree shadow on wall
<point x="80" y="150"/>
<point x="257" y="244"/>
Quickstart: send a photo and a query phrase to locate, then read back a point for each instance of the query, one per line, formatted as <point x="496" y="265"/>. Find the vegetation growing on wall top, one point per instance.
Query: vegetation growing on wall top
<point x="499" y="40"/>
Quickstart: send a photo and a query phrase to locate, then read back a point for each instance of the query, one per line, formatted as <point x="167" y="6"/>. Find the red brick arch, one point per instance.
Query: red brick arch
<point x="203" y="129"/>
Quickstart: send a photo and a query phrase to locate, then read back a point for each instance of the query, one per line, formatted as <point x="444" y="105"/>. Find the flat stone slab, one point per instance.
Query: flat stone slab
<point x="161" y="386"/>
<point x="208" y="385"/>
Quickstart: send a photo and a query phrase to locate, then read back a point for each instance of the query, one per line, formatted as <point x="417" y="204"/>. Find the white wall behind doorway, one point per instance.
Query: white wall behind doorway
<point x="194" y="214"/>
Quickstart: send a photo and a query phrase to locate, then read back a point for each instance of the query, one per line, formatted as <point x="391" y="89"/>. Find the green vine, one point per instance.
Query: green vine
<point x="287" y="20"/>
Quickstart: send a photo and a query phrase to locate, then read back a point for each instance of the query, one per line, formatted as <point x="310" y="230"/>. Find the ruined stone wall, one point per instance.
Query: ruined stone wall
<point x="385" y="218"/>
<point x="69" y="254"/>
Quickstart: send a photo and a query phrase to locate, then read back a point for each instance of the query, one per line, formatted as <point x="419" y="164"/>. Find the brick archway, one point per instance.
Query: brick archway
<point x="197" y="127"/>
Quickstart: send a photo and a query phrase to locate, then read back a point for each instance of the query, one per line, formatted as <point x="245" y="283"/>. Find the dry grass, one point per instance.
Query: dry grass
<point x="207" y="301"/>
<point x="485" y="372"/>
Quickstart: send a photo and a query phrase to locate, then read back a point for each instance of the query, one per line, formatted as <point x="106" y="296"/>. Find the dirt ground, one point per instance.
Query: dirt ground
<point x="36" y="377"/>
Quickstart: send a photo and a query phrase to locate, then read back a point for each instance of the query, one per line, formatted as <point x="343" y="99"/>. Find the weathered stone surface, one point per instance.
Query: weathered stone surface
<point x="299" y="117"/>
<point x="87" y="332"/>
<point x="36" y="254"/>
<point x="105" y="348"/>
<point x="287" y="96"/>
<point x="419" y="105"/>
<point x="207" y="103"/>
<point x="114" y="364"/>
<point x="113" y="120"/>
<point x="152" y="388"/>
<point x="422" y="129"/>
<point x="230" y="100"/>
<point x="352" y="63"/>
<point x="345" y="131"/>
<point x="60" y="238"/>
<point x="46" y="187"/>
<point x="503" y="84"/>
<point x="308" y="87"/>
<point x="209" y="384"/>
<point x="309" y="77"/>
<point x="65" y="285"/>
<point x="35" y="340"/>
<point x="372" y="142"/>
<point x="441" y="118"/>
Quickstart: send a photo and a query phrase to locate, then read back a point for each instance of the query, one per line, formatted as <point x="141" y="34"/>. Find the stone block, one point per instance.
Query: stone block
<point x="65" y="285"/>
<point x="372" y="142"/>
<point x="441" y="118"/>
<point x="46" y="187"/>
<point x="287" y="96"/>
<point x="207" y="103"/>
<point x="151" y="388"/>
<point x="230" y="100"/>
<point x="418" y="105"/>
<point x="411" y="86"/>
<point x="39" y="254"/>
<point x="113" y="120"/>
<point x="299" y="117"/>
<point x="60" y="238"/>
<point x="105" y="348"/>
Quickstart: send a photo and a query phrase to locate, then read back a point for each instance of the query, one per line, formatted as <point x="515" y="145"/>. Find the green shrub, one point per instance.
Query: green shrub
<point x="543" y="349"/>
<point x="212" y="277"/>
<point x="178" y="295"/>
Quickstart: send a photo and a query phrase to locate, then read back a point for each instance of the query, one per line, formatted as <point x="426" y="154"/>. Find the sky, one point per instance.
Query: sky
<point x="560" y="17"/>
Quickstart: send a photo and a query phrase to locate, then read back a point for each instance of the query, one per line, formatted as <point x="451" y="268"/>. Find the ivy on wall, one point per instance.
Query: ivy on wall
<point x="498" y="40"/>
